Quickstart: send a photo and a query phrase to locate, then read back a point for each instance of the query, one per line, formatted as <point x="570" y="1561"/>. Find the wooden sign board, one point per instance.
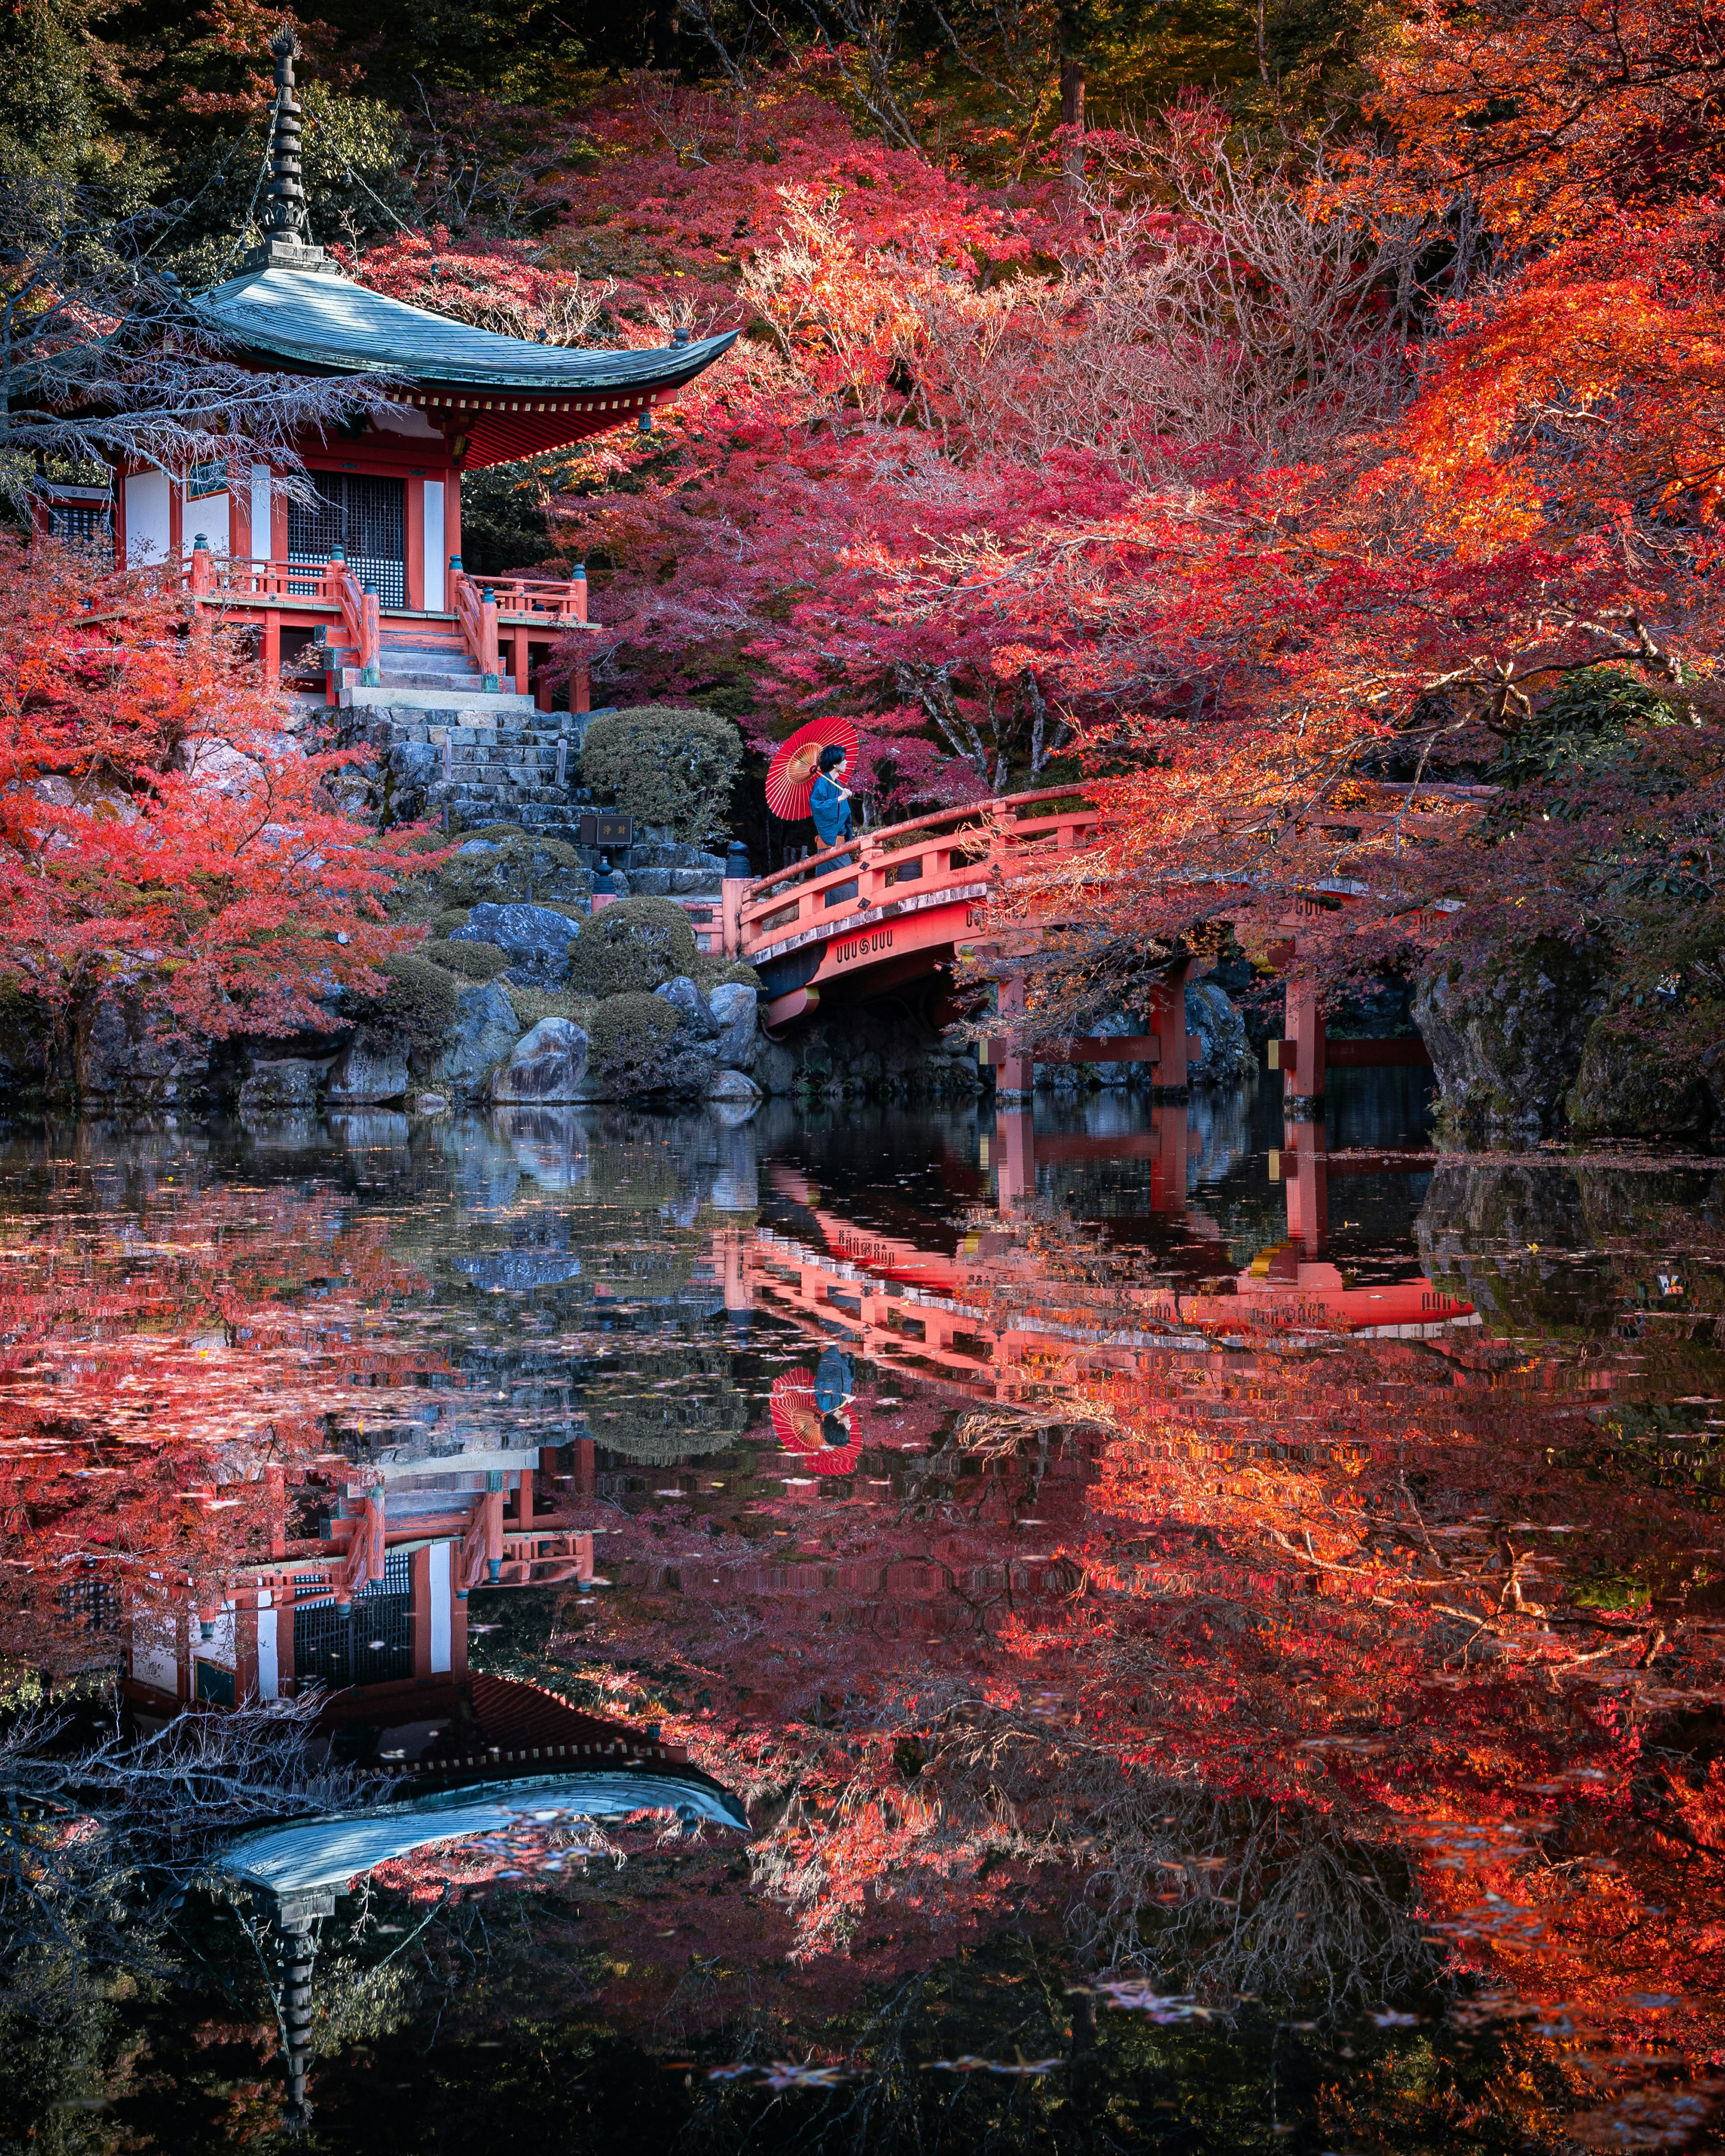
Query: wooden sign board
<point x="601" y="829"/>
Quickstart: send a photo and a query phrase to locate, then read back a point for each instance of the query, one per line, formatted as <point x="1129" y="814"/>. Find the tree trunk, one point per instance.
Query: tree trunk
<point x="1071" y="33"/>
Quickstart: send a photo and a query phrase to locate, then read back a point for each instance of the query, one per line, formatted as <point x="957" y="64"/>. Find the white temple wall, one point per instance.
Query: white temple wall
<point x="148" y="525"/>
<point x="437" y="561"/>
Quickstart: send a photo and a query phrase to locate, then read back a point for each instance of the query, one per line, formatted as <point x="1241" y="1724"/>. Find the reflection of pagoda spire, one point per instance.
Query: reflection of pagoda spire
<point x="287" y="233"/>
<point x="296" y="1918"/>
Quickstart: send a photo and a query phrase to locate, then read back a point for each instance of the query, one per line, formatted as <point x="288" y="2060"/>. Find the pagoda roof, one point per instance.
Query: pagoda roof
<point x="318" y="321"/>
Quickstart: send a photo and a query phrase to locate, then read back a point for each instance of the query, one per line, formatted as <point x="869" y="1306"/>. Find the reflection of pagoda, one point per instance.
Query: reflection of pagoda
<point x="370" y="568"/>
<point x="477" y="1756"/>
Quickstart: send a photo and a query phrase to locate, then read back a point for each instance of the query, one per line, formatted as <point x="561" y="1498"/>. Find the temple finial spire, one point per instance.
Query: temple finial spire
<point x="287" y="242"/>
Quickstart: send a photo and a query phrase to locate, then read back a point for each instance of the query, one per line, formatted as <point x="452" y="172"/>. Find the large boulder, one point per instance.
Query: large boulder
<point x="690" y="1006"/>
<point x="547" y="1064"/>
<point x="1224" y="1056"/>
<point x="366" y="1074"/>
<point x="1507" y="1047"/>
<point x="121" y="1054"/>
<point x="216" y="767"/>
<point x="732" y="1085"/>
<point x="286" y="1086"/>
<point x="485" y="1030"/>
<point x="535" y="940"/>
<point x="733" y="1004"/>
<point x="1631" y="1087"/>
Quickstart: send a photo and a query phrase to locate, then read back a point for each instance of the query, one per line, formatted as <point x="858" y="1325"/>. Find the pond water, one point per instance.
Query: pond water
<point x="1216" y="1624"/>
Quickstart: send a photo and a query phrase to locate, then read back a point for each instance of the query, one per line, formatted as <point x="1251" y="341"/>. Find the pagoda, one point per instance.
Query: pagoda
<point x="370" y="570"/>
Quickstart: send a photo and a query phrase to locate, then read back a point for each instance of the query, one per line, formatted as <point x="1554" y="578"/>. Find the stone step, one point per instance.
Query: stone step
<point x="477" y="705"/>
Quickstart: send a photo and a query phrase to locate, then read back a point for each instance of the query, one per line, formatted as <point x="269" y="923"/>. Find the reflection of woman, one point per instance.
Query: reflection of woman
<point x="813" y="1415"/>
<point x="834" y="1382"/>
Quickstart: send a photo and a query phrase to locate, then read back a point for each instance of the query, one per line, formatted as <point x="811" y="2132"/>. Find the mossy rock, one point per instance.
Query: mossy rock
<point x="474" y="961"/>
<point x="419" y="1006"/>
<point x="522" y="869"/>
<point x="664" y="766"/>
<point x="532" y="1004"/>
<point x="637" y="1045"/>
<point x="632" y="948"/>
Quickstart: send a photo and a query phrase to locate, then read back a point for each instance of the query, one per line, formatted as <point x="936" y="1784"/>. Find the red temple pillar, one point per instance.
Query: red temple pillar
<point x="1306" y="1175"/>
<point x="1167" y="1163"/>
<point x="452" y="532"/>
<point x="1168" y="1022"/>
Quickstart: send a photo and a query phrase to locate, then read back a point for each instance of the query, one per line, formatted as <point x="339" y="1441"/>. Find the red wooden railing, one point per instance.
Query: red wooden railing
<point x="235" y="579"/>
<point x="229" y="580"/>
<point x="949" y="851"/>
<point x="361" y="617"/>
<point x="543" y="600"/>
<point x="476" y="610"/>
<point x="492" y="613"/>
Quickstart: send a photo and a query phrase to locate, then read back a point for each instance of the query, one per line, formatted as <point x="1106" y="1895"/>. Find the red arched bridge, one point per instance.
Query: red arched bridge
<point x="896" y="905"/>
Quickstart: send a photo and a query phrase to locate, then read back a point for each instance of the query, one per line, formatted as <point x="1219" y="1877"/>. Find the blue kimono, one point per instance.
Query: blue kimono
<point x="830" y="808"/>
<point x="834" y="1380"/>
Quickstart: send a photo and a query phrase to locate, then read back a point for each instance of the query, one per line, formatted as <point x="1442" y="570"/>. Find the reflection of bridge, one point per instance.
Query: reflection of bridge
<point x="988" y="1320"/>
<point x="900" y="904"/>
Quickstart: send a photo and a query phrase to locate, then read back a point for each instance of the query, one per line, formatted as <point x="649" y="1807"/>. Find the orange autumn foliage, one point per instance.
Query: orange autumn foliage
<point x="246" y="904"/>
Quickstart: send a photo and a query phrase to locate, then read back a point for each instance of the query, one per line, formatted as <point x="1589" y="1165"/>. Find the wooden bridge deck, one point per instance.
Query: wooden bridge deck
<point x="903" y="903"/>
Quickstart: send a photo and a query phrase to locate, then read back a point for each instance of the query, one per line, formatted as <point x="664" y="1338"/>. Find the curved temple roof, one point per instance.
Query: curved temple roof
<point x="509" y="397"/>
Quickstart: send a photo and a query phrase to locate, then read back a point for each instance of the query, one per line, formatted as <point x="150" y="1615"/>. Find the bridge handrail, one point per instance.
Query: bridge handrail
<point x="874" y="858"/>
<point x="979" y="813"/>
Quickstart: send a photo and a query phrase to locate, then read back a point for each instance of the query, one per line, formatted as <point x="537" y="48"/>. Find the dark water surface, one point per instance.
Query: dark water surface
<point x="1217" y="1626"/>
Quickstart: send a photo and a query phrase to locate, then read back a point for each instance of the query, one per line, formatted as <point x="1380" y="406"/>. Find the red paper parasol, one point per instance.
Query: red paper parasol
<point x="792" y="773"/>
<point x="797" y="1424"/>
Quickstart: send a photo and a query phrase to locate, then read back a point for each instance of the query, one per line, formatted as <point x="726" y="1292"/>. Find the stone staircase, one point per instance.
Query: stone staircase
<point x="424" y="664"/>
<point x="490" y="767"/>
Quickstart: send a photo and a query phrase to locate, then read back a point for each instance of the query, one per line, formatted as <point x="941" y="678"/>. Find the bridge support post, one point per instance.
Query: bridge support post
<point x="1015" y="1076"/>
<point x="1303" y="1088"/>
<point x="1168" y="1020"/>
<point x="1305" y="1173"/>
<point x="1015" y="1156"/>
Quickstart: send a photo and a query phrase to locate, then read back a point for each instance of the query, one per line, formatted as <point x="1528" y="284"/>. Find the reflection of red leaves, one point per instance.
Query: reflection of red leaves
<point x="1647" y="2118"/>
<point x="169" y="1387"/>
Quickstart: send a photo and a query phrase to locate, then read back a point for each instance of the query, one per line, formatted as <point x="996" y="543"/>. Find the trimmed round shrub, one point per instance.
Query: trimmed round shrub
<point x="476" y="962"/>
<point x="452" y="917"/>
<point x="630" y="948"/>
<point x="665" y="767"/>
<point x="712" y="970"/>
<point x="632" y="1410"/>
<point x="635" y="1044"/>
<point x="419" y="1005"/>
